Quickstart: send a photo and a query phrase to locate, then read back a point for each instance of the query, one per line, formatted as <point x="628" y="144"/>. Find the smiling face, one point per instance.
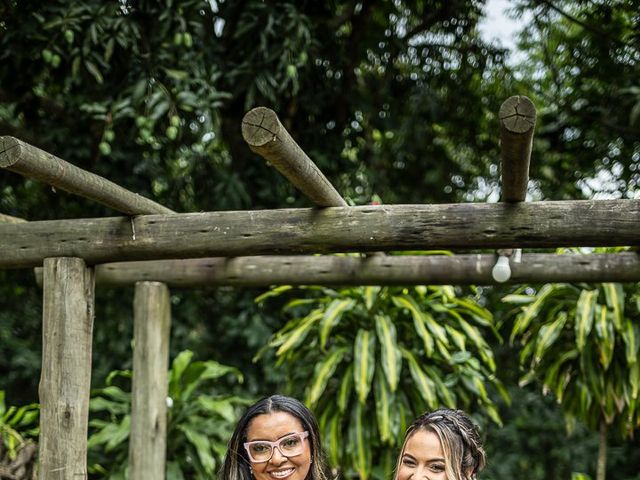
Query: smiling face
<point x="422" y="458"/>
<point x="272" y="427"/>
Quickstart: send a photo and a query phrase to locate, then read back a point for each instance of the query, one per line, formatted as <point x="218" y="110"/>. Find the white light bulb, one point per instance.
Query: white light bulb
<point x="501" y="271"/>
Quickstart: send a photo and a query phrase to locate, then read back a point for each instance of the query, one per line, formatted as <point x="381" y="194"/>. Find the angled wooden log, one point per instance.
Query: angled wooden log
<point x="31" y="162"/>
<point x="517" y="121"/>
<point x="335" y="229"/>
<point x="266" y="136"/>
<point x="10" y="219"/>
<point x="466" y="269"/>
<point x="151" y="327"/>
<point x="66" y="368"/>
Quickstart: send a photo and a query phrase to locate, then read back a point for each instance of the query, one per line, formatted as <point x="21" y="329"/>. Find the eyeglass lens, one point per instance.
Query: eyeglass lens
<point x="289" y="447"/>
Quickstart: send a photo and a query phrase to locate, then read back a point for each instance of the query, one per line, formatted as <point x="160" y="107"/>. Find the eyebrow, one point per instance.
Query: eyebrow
<point x="431" y="460"/>
<point x="266" y="440"/>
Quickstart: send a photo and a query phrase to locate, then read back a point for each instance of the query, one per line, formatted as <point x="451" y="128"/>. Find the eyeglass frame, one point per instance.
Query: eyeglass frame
<point x="274" y="445"/>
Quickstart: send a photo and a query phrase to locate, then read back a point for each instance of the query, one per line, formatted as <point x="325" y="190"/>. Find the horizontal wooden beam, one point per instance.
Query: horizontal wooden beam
<point x="335" y="229"/>
<point x="31" y="162"/>
<point x="469" y="269"/>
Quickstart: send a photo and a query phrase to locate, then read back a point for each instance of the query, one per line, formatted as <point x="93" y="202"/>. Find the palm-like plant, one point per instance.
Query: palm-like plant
<point x="581" y="343"/>
<point x="393" y="351"/>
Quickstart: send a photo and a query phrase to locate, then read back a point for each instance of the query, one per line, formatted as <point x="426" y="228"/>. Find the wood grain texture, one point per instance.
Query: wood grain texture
<point x="31" y="162"/>
<point x="517" y="121"/>
<point x="152" y="323"/>
<point x="68" y="310"/>
<point x="466" y="269"/>
<point x="267" y="137"/>
<point x="336" y="229"/>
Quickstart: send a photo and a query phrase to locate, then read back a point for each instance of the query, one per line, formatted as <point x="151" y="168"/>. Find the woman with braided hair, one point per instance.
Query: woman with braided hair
<point x="441" y="445"/>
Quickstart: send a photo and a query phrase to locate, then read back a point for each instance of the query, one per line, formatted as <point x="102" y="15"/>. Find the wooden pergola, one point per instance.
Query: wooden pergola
<point x="155" y="248"/>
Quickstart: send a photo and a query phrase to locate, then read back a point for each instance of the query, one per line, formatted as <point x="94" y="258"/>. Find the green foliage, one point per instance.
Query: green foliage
<point x="581" y="343"/>
<point x="369" y="359"/>
<point x="200" y="420"/>
<point x="18" y="427"/>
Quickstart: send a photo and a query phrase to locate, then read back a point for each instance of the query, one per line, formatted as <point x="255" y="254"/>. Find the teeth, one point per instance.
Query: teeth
<point x="281" y="473"/>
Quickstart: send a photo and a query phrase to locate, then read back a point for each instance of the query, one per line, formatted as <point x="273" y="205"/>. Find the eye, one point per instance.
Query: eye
<point x="409" y="462"/>
<point x="259" y="447"/>
<point x="290" y="442"/>
<point x="437" y="467"/>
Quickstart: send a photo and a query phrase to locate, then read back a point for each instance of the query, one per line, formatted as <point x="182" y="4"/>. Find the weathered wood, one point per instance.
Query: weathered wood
<point x="66" y="368"/>
<point x="148" y="439"/>
<point x="10" y="219"/>
<point x="517" y="121"/>
<point x="29" y="161"/>
<point x="336" y="229"/>
<point x="471" y="269"/>
<point x="266" y="136"/>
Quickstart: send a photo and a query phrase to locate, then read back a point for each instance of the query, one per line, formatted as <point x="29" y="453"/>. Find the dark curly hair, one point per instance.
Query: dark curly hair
<point x="460" y="440"/>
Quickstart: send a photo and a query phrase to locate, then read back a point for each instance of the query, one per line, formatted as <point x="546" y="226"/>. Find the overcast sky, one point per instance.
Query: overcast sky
<point x="497" y="26"/>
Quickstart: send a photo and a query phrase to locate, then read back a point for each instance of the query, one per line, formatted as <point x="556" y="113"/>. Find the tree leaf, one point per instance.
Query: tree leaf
<point x="585" y="309"/>
<point x="614" y="295"/>
<point x="332" y="316"/>
<point x="410" y="304"/>
<point x="322" y="374"/>
<point x="364" y="363"/>
<point x="391" y="357"/>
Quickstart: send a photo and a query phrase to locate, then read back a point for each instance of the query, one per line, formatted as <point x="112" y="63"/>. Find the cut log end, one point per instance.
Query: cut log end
<point x="10" y="151"/>
<point x="260" y="126"/>
<point x="518" y="114"/>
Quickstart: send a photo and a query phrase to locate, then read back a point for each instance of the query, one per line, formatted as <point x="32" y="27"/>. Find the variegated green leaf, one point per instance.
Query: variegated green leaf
<point x="391" y="358"/>
<point x="444" y="392"/>
<point x="585" y="309"/>
<point x="634" y="380"/>
<point x="334" y="443"/>
<point x="359" y="443"/>
<point x="436" y="329"/>
<point x="322" y="374"/>
<point x="296" y="336"/>
<point x="606" y="335"/>
<point x="274" y="292"/>
<point x="422" y="382"/>
<point x="458" y="337"/>
<point x="548" y="334"/>
<point x="344" y="393"/>
<point x="551" y="376"/>
<point x="332" y="316"/>
<point x="383" y="408"/>
<point x="370" y="296"/>
<point x="531" y="311"/>
<point x="364" y="360"/>
<point x="614" y="295"/>
<point x="418" y="321"/>
<point x="630" y="339"/>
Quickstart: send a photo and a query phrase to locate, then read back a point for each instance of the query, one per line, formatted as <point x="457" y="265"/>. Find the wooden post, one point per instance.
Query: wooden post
<point x="517" y="120"/>
<point x="66" y="368"/>
<point x="20" y="157"/>
<point x="266" y="136"/>
<point x="152" y="321"/>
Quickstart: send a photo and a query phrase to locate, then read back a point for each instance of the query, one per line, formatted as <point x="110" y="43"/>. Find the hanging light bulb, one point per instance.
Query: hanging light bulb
<point x="501" y="271"/>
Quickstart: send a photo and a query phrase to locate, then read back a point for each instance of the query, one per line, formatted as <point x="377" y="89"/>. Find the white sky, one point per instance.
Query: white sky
<point x="497" y="26"/>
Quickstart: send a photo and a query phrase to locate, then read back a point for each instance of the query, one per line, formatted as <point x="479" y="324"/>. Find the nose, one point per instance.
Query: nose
<point x="277" y="458"/>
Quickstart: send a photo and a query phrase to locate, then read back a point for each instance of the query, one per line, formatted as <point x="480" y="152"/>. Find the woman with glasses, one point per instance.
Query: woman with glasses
<point x="277" y="438"/>
<point x="441" y="445"/>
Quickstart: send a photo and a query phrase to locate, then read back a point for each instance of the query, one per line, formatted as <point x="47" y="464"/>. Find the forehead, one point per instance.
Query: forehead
<point x="271" y="426"/>
<point x="424" y="445"/>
